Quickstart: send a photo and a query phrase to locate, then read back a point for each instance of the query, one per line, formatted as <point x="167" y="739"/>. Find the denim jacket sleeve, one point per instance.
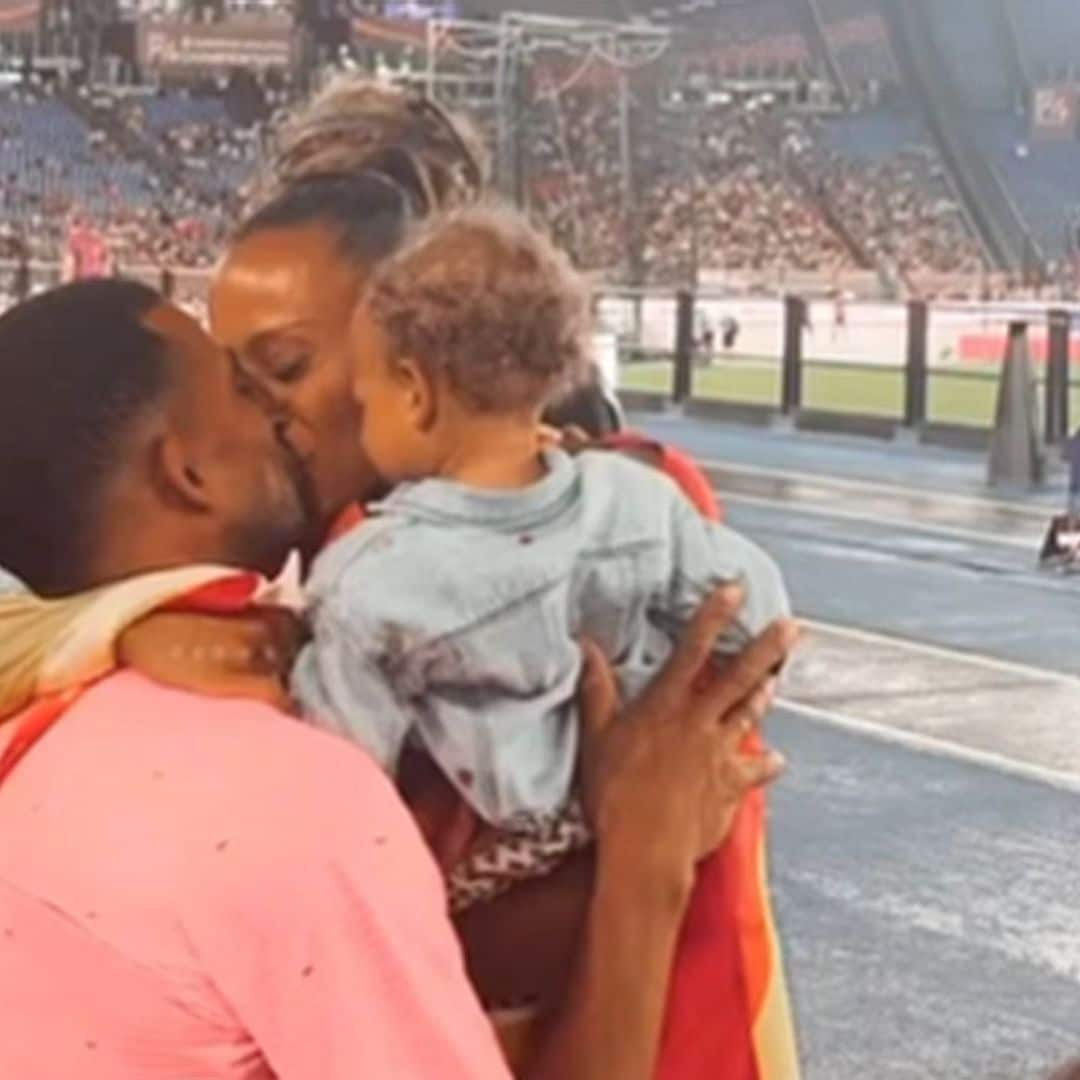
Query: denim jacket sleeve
<point x="705" y="555"/>
<point x="338" y="682"/>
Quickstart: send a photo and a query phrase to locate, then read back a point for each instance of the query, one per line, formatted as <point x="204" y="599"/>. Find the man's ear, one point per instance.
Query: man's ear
<point x="177" y="474"/>
<point x="418" y="386"/>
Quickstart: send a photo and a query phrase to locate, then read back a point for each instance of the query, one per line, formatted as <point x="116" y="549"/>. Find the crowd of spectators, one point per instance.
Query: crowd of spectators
<point x="59" y="168"/>
<point x="737" y="209"/>
<point x="717" y="203"/>
<point x="213" y="150"/>
<point x="742" y="186"/>
<point x="53" y="163"/>
<point x="901" y="215"/>
<point x="576" y="179"/>
<point x="898" y="209"/>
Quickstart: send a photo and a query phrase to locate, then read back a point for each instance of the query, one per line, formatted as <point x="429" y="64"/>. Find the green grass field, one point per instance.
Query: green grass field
<point x="953" y="398"/>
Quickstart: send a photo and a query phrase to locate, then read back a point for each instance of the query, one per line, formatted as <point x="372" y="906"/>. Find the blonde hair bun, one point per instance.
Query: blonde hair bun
<point x="359" y="124"/>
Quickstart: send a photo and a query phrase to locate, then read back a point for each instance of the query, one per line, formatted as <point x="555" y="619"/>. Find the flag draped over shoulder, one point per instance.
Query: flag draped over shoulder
<point x="728" y="1016"/>
<point x="51" y="650"/>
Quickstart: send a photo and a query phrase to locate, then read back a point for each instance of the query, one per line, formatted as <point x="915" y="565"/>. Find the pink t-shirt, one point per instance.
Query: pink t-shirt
<point x="201" y="889"/>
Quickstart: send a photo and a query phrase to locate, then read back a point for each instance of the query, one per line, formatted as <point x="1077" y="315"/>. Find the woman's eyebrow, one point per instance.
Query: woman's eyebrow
<point x="267" y="336"/>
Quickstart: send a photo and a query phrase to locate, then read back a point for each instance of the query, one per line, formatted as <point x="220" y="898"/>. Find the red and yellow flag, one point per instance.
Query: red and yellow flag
<point x="729" y="1015"/>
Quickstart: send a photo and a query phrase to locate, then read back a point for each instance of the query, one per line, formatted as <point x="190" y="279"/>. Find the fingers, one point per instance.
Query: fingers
<point x="572" y="439"/>
<point x="749" y="671"/>
<point x="549" y="437"/>
<point x="757" y="770"/>
<point x="285" y="634"/>
<point x="695" y="646"/>
<point x="748" y="715"/>
<point x="598" y="692"/>
<point x="575" y="439"/>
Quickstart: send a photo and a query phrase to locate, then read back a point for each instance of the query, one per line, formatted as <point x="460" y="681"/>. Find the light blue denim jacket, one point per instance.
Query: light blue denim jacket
<point x="453" y="617"/>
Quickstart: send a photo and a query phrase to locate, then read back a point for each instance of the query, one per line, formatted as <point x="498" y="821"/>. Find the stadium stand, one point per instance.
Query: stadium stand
<point x="726" y="165"/>
<point x="971" y="39"/>
<point x="218" y="156"/>
<point x="859" y="40"/>
<point x="1047" y="32"/>
<point x="54" y="164"/>
<point x="1041" y="175"/>
<point x="763" y="39"/>
<point x="736" y="203"/>
<point x="751" y="187"/>
<point x="748" y="212"/>
<point x="881" y="173"/>
<point x="576" y="175"/>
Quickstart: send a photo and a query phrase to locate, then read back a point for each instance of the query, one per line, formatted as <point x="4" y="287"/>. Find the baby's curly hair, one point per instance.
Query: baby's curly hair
<point x="485" y="299"/>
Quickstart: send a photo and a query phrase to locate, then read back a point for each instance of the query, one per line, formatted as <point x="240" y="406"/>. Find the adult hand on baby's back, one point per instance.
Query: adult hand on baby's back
<point x="665" y="775"/>
<point x="662" y="779"/>
<point x="572" y="439"/>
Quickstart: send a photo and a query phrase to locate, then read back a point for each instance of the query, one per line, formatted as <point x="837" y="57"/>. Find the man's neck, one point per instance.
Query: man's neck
<point x="140" y="539"/>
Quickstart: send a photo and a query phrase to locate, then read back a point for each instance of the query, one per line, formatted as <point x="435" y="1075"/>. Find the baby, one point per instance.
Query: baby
<point x="453" y="618"/>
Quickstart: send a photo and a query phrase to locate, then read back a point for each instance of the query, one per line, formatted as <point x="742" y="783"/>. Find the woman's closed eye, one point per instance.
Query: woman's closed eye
<point x="284" y="361"/>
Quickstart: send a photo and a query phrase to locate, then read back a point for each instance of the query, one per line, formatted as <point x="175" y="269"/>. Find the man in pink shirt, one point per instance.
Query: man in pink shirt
<point x="165" y="912"/>
<point x="201" y="889"/>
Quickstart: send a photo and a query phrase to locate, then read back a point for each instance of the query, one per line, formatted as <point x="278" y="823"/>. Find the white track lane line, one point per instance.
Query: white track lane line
<point x="969" y="535"/>
<point x="928" y="744"/>
<point x="919" y="743"/>
<point x="941" y="652"/>
<point x="1037" y="513"/>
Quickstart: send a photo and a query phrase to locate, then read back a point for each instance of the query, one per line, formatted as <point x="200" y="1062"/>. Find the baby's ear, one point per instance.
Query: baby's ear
<point x="420" y="390"/>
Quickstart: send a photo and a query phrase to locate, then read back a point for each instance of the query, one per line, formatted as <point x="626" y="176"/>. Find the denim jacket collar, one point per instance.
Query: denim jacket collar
<point x="447" y="501"/>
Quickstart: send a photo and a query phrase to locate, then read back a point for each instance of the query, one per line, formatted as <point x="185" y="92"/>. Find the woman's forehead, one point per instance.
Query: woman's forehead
<point x="277" y="278"/>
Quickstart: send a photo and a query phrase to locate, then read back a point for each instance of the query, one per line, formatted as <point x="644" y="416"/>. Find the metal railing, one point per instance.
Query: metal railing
<point x="936" y="375"/>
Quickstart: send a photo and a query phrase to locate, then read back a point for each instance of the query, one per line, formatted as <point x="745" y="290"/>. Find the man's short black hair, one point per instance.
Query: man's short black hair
<point x="77" y="368"/>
